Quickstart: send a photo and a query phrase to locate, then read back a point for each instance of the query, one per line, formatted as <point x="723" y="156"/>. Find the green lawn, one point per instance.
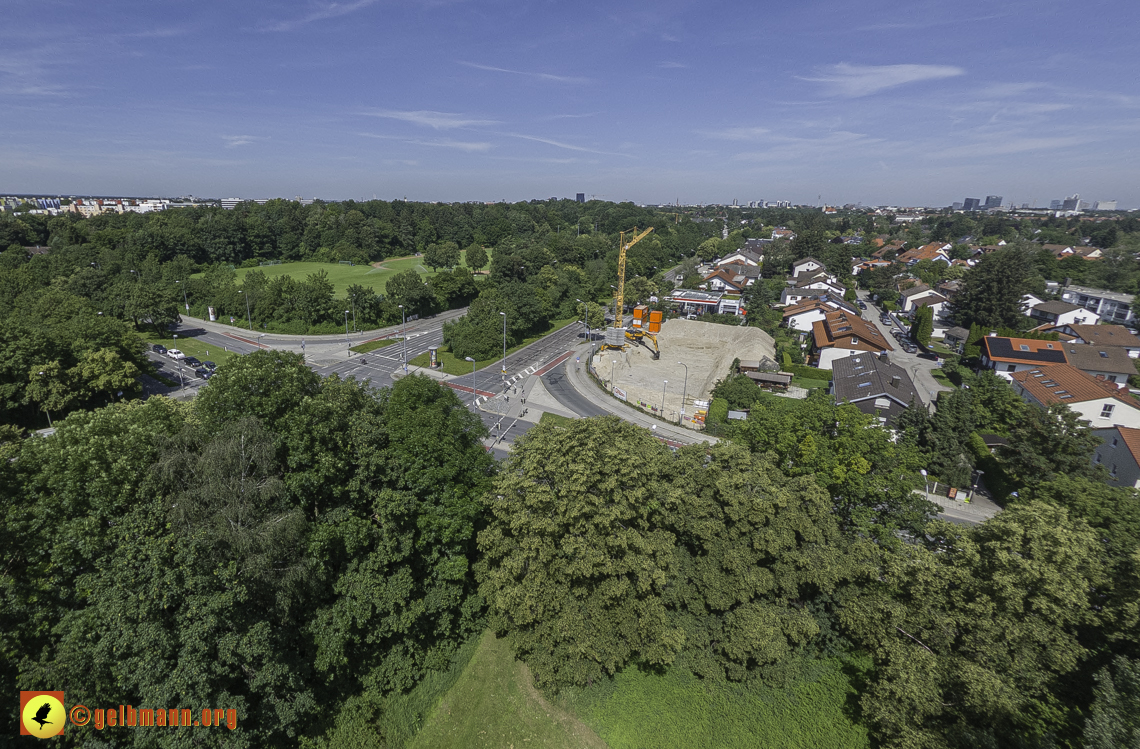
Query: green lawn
<point x="494" y="704"/>
<point x="941" y="378"/>
<point x="646" y="710"/>
<point x="364" y="348"/>
<point x="343" y="276"/>
<point x="805" y="382"/>
<point x="452" y="365"/>
<point x="190" y="346"/>
<point x="555" y="419"/>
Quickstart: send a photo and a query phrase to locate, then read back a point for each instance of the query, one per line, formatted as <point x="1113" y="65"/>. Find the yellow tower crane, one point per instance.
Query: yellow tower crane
<point x="644" y="323"/>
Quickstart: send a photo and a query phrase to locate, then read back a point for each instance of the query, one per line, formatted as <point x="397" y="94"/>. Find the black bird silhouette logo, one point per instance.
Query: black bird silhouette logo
<point x="42" y="713"/>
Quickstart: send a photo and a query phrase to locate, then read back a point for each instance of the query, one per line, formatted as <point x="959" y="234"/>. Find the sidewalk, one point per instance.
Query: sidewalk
<point x="581" y="382"/>
<point x="976" y="511"/>
<point x="357" y="337"/>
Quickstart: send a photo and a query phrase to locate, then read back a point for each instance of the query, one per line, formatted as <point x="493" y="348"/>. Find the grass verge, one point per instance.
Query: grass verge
<point x="452" y="365"/>
<point x="941" y="378"/>
<point x="364" y="348"/>
<point x="494" y="704"/>
<point x="555" y="419"/>
<point x="641" y="709"/>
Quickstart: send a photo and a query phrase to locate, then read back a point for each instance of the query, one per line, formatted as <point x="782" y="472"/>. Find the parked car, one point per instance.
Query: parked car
<point x="209" y="365"/>
<point x="862" y="304"/>
<point x="202" y="372"/>
<point x="191" y="361"/>
<point x="158" y="348"/>
<point x="176" y="354"/>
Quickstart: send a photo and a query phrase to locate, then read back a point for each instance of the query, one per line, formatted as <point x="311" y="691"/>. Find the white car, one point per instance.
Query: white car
<point x="176" y="354"/>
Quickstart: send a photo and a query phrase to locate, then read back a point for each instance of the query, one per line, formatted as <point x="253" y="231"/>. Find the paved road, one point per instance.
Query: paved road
<point x="919" y="369"/>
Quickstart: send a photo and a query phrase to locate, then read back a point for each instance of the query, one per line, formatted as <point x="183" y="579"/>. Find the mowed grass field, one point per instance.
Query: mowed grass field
<point x="343" y="276"/>
<point x="676" y="710"/>
<point x="494" y="704"/>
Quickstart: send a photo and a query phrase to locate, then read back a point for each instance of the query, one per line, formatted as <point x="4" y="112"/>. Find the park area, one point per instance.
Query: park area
<point x="342" y="276"/>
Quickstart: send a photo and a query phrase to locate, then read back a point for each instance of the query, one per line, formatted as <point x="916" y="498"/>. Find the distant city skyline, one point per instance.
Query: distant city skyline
<point x="702" y="102"/>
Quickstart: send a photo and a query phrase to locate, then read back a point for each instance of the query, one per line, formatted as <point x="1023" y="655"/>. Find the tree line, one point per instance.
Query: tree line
<point x="307" y="550"/>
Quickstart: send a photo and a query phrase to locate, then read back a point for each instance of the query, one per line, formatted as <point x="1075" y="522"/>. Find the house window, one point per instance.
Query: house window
<point x="1024" y="347"/>
<point x="1106" y="411"/>
<point x="854" y="341"/>
<point x="1048" y="345"/>
<point x="1115" y="441"/>
<point x="1011" y="368"/>
<point x="1113" y="471"/>
<point x="1103" y="354"/>
<point x="1112" y="378"/>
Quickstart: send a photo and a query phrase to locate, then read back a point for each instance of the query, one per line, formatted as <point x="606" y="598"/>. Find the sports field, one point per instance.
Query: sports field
<point x="343" y="276"/>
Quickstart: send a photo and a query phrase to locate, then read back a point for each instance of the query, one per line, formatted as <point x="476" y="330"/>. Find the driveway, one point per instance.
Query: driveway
<point x="919" y="369"/>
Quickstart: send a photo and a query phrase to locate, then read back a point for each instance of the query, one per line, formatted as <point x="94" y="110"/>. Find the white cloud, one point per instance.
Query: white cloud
<point x="233" y="141"/>
<point x="852" y="81"/>
<point x="559" y="144"/>
<point x="434" y="120"/>
<point x="320" y="13"/>
<point x="460" y="145"/>
<point x="528" y="74"/>
<point x="739" y="133"/>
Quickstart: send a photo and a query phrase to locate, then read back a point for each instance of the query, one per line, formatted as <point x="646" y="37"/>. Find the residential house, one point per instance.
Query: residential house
<point x="949" y="289"/>
<point x="1119" y="452"/>
<point x="873" y="385"/>
<point x="863" y="265"/>
<point x="1029" y="301"/>
<point x="1116" y="336"/>
<point x="1062" y="313"/>
<point x="804" y="314"/>
<point x="1007" y="356"/>
<point x="956" y="338"/>
<point x="1109" y="362"/>
<point x="1113" y="307"/>
<point x="890" y="248"/>
<point x="841" y="334"/>
<point x="782" y="233"/>
<point x="939" y="304"/>
<point x="723" y="280"/>
<point x="1061" y="251"/>
<point x="812" y="286"/>
<point x="908" y="298"/>
<point x="1099" y="403"/>
<point x="934" y="251"/>
<point x="743" y="256"/>
<point x="807" y="266"/>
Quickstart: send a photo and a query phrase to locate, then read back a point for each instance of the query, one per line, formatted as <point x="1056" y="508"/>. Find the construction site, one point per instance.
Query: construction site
<point x="705" y="350"/>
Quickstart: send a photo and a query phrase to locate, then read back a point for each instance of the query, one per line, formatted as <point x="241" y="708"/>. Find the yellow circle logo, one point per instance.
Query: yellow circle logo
<point x="44" y="716"/>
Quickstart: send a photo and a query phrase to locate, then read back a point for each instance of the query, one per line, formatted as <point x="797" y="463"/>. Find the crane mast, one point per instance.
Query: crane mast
<point x="619" y="297"/>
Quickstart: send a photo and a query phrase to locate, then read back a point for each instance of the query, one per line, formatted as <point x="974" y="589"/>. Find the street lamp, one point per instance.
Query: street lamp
<point x="46" y="412"/>
<point x="613" y="363"/>
<point x="468" y="358"/>
<point x="404" y="337"/>
<point x="353" y="313"/>
<point x="684" y="391"/>
<point x="248" y="319"/>
<point x="663" y="398"/>
<point x="504" y="314"/>
<point x="259" y="337"/>
<point x="925" y="484"/>
<point x="184" y="299"/>
<point x="346" y="326"/>
<point x="585" y="318"/>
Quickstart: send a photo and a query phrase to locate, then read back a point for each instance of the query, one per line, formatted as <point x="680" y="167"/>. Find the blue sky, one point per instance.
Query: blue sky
<point x="877" y="102"/>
